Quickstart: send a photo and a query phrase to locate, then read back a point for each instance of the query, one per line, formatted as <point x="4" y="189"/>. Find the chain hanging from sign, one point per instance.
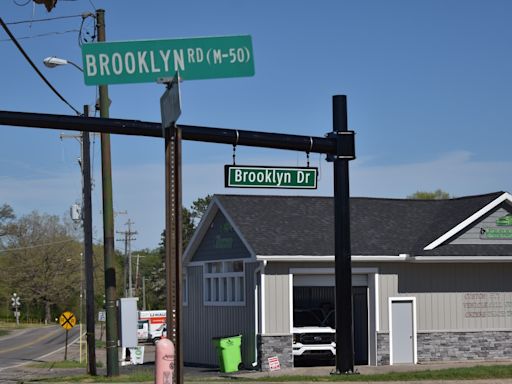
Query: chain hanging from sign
<point x="234" y="147"/>
<point x="309" y="150"/>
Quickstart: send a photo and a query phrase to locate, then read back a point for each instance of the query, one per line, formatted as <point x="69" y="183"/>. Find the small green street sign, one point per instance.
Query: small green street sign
<point x="145" y="61"/>
<point x="245" y="176"/>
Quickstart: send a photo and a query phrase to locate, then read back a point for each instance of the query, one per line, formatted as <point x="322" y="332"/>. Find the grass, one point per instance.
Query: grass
<point x="471" y="373"/>
<point x="60" y="364"/>
<point x="4" y="332"/>
<point x="136" y="377"/>
<point x="64" y="364"/>
<point x="10" y="325"/>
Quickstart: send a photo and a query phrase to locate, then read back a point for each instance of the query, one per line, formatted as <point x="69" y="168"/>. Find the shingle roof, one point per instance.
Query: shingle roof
<point x="300" y="225"/>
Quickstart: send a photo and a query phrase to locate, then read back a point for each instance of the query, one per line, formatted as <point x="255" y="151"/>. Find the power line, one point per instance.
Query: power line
<point x="92" y="5"/>
<point x="6" y="29"/>
<point x="36" y="246"/>
<point x="46" y="19"/>
<point x="43" y="35"/>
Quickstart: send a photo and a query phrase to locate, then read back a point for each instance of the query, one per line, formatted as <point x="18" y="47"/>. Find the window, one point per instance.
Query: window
<point x="224" y="283"/>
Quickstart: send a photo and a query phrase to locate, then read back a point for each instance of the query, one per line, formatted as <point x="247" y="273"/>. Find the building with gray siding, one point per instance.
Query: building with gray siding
<point x="430" y="277"/>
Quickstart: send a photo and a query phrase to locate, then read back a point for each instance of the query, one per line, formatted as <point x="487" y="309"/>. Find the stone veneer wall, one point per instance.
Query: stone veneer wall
<point x="382" y="348"/>
<point x="270" y="346"/>
<point x="454" y="346"/>
<point x="457" y="346"/>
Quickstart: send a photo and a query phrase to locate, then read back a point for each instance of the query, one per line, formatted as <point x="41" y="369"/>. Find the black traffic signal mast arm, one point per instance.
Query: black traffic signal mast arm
<point x="189" y="132"/>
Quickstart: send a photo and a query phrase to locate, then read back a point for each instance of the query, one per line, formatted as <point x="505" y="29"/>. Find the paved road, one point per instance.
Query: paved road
<point x="31" y="344"/>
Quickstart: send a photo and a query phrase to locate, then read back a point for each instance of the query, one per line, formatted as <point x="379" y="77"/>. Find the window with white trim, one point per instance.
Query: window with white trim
<point x="224" y="283"/>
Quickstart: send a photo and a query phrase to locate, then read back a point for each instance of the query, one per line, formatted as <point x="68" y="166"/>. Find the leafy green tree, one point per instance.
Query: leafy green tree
<point x="6" y="216"/>
<point x="199" y="207"/>
<point x="154" y="267"/>
<point x="41" y="261"/>
<point x="436" y="195"/>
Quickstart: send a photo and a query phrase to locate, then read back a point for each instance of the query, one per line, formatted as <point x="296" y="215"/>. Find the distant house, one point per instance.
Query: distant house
<point x="431" y="278"/>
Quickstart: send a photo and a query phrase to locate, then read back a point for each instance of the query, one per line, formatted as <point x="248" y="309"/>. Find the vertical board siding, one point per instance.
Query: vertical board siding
<point x="451" y="297"/>
<point x="277" y="299"/>
<point x="202" y="323"/>
<point x="221" y="242"/>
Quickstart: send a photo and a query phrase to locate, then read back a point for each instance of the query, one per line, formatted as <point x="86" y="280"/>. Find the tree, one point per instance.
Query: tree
<point x="6" y="216"/>
<point x="156" y="272"/>
<point x="199" y="207"/>
<point x="436" y="195"/>
<point x="42" y="262"/>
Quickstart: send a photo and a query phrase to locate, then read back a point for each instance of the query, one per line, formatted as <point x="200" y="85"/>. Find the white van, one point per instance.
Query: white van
<point x="158" y="333"/>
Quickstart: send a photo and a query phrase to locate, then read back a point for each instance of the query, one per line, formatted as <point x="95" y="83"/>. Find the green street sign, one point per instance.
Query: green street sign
<point x="243" y="176"/>
<point x="145" y="61"/>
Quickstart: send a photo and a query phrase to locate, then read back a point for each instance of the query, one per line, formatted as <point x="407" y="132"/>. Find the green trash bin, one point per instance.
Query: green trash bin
<point x="228" y="351"/>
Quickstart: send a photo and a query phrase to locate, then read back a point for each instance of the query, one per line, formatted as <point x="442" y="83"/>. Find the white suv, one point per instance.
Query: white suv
<point x="314" y="335"/>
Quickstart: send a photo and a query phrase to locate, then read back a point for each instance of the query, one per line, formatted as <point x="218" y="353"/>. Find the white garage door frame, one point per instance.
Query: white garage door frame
<point x="371" y="275"/>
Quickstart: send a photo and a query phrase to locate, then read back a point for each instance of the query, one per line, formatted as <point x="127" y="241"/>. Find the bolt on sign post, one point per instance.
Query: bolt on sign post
<point x="67" y="320"/>
<point x="170" y="106"/>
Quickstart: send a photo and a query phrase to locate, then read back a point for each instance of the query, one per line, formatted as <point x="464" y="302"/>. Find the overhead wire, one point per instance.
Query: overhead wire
<point x="81" y="38"/>
<point x="36" y="246"/>
<point x="41" y="20"/>
<point x="20" y="48"/>
<point x="43" y="35"/>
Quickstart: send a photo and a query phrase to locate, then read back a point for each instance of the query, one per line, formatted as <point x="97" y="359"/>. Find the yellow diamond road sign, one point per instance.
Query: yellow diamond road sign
<point x="67" y="320"/>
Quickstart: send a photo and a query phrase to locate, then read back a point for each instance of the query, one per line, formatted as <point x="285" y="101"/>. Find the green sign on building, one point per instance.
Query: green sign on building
<point x="496" y="233"/>
<point x="241" y="176"/>
<point x="145" y="61"/>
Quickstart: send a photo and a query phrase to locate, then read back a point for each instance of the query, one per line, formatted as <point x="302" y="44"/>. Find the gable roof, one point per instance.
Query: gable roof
<point x="300" y="225"/>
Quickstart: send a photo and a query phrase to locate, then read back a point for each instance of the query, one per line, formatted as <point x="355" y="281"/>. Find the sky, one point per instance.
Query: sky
<point x="427" y="83"/>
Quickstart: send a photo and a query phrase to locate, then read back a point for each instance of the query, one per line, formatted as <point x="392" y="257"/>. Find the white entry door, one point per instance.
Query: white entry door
<point x="402" y="331"/>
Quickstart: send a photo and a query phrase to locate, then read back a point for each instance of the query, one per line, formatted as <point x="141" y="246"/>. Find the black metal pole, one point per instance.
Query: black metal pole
<point x="342" y="251"/>
<point x="88" y="252"/>
<point x="66" y="347"/>
<point x="189" y="132"/>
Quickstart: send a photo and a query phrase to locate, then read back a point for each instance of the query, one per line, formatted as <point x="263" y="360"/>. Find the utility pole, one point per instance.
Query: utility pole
<point x="128" y="238"/>
<point x="108" y="224"/>
<point x="87" y="263"/>
<point x="143" y="293"/>
<point x="88" y="251"/>
<point x="125" y="262"/>
<point x="137" y="274"/>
